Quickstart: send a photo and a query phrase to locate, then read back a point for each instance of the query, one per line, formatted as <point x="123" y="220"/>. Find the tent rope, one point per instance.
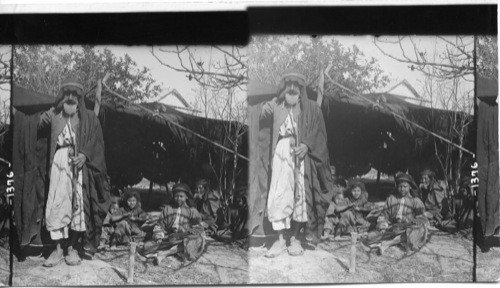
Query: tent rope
<point x="400" y="117"/>
<point x="173" y="123"/>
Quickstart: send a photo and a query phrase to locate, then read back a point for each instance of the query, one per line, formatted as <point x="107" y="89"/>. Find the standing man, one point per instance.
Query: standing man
<point x="300" y="168"/>
<point x="78" y="196"/>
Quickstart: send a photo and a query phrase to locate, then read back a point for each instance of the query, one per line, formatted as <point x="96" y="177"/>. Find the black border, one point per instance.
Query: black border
<point x="235" y="28"/>
<point x="386" y="20"/>
<point x="126" y="28"/>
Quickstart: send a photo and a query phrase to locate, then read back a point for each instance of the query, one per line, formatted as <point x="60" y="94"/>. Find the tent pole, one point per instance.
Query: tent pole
<point x="378" y="181"/>
<point x="151" y="186"/>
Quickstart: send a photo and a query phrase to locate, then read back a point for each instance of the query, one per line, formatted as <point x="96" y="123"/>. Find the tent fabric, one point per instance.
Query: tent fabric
<point x="30" y="181"/>
<point x="23" y="97"/>
<point x="130" y="153"/>
<point x="360" y="135"/>
<point x="487" y="156"/>
<point x="486" y="88"/>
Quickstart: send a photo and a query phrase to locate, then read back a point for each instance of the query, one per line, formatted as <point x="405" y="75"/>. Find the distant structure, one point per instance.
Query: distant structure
<point x="407" y="93"/>
<point x="175" y="100"/>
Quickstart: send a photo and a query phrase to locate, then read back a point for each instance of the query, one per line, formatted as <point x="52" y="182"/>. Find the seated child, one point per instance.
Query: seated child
<point x="178" y="230"/>
<point x="332" y="216"/>
<point x="207" y="202"/>
<point x="433" y="195"/>
<point x="134" y="217"/>
<point x="402" y="221"/>
<point x="348" y="211"/>
<point x="113" y="216"/>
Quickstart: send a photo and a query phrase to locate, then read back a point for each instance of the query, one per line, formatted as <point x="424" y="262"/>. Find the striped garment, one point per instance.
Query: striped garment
<point x="402" y="209"/>
<point x="179" y="219"/>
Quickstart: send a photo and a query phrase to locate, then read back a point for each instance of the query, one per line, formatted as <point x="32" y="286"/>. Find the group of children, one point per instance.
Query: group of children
<point x="182" y="225"/>
<point x="125" y="223"/>
<point x="346" y="213"/>
<point x="350" y="211"/>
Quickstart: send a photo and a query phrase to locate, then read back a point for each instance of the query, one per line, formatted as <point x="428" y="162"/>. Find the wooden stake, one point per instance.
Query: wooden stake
<point x="98" y="94"/>
<point x="131" y="262"/>
<point x="352" y="262"/>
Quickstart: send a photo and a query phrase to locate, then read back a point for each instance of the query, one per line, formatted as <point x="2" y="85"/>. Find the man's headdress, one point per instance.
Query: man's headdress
<point x="70" y="84"/>
<point x="295" y="76"/>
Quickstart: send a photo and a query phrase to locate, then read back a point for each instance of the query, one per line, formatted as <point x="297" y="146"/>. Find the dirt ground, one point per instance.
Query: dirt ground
<point x="4" y="267"/>
<point x="220" y="264"/>
<point x="445" y="258"/>
<point x="488" y="265"/>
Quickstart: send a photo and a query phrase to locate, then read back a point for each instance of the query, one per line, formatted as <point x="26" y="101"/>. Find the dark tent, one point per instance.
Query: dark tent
<point x="137" y="145"/>
<point x="487" y="154"/>
<point x="361" y="134"/>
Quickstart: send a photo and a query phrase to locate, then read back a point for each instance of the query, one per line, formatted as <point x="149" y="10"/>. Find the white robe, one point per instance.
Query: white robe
<point x="281" y="205"/>
<point x="59" y="214"/>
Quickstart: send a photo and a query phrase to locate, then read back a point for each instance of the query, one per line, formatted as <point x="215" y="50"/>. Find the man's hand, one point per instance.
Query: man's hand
<point x="301" y="150"/>
<point x="79" y="160"/>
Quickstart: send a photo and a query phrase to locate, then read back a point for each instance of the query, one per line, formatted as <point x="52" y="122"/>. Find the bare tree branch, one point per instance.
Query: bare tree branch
<point x="454" y="62"/>
<point x="228" y="72"/>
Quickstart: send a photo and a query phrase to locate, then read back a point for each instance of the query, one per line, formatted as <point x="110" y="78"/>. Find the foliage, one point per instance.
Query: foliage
<point x="5" y="57"/>
<point x="43" y="67"/>
<point x="271" y="56"/>
<point x="487" y="56"/>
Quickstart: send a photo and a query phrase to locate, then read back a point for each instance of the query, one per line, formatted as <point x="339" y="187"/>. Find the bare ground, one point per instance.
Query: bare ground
<point x="488" y="265"/>
<point x="4" y="267"/>
<point x="220" y="264"/>
<point x="445" y="258"/>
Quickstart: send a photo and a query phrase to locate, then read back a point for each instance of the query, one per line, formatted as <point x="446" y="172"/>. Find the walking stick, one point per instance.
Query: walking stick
<point x="74" y="169"/>
<point x="296" y="160"/>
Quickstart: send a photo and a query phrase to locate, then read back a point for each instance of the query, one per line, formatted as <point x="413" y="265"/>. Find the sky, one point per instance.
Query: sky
<point x="170" y="79"/>
<point x="166" y="77"/>
<point x="397" y="71"/>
